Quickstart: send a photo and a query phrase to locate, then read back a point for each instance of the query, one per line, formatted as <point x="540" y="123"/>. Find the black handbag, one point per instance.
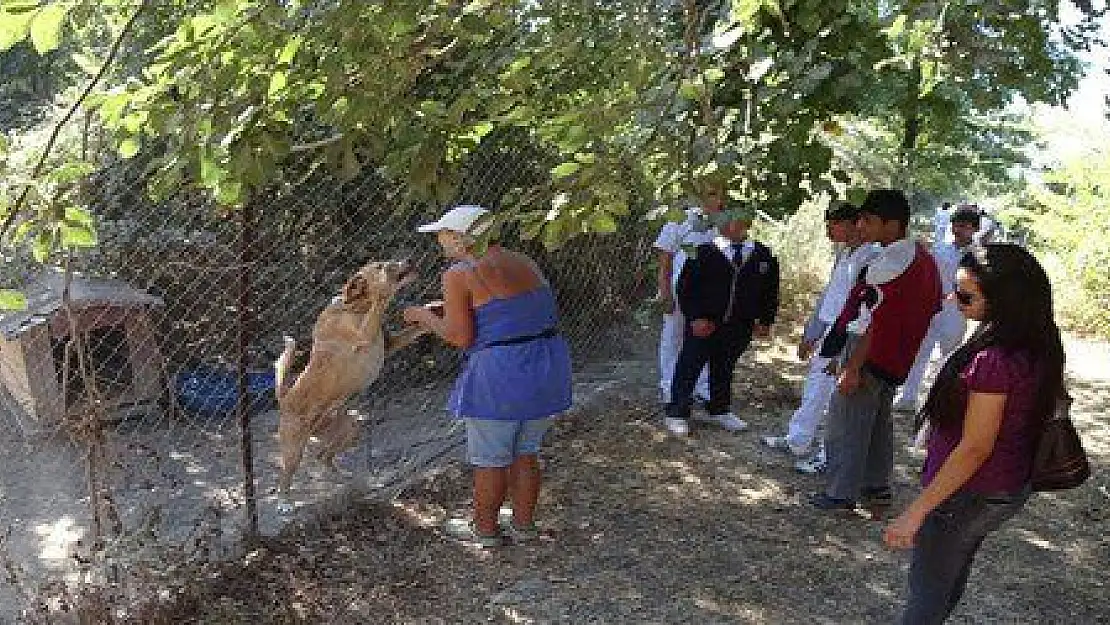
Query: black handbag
<point x="1059" y="460"/>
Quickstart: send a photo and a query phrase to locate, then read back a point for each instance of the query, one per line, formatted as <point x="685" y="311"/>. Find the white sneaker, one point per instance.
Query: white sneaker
<point x="678" y="427"/>
<point x="727" y="421"/>
<point x="814" y="464"/>
<point x="776" y="442"/>
<point x="782" y="443"/>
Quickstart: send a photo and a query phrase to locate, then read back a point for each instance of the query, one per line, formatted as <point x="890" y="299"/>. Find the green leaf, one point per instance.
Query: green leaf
<point x="603" y="222"/>
<point x="70" y="172"/>
<point x="87" y="62"/>
<point x="13" y="28"/>
<point x="129" y="147"/>
<point x="856" y="195"/>
<point x="568" y="168"/>
<point x="79" y="215"/>
<point x="43" y="245"/>
<point x="80" y="235"/>
<point x="690" y="89"/>
<point x="46" y="27"/>
<point x="289" y="51"/>
<point x="277" y="84"/>
<point x="12" y="300"/>
<point x="896" y="29"/>
<point x="210" y="172"/>
<point x="229" y="193"/>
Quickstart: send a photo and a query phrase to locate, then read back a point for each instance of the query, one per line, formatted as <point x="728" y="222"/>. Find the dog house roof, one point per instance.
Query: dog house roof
<point x="44" y="298"/>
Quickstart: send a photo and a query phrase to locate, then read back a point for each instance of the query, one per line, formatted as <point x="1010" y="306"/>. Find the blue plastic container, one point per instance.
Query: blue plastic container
<point x="213" y="392"/>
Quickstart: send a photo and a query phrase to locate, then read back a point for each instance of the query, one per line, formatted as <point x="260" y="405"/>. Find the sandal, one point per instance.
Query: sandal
<point x="521" y="534"/>
<point x="464" y="530"/>
<point x="516" y="534"/>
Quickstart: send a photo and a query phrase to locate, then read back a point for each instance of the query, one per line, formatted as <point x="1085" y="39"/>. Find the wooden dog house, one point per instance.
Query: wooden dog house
<point x="115" y="322"/>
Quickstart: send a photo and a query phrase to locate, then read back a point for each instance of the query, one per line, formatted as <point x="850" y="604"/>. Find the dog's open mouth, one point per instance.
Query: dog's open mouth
<point x="406" y="275"/>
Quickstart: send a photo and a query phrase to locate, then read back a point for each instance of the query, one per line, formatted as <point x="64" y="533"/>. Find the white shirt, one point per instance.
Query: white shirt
<point x="696" y="230"/>
<point x="845" y="271"/>
<point x="948" y="257"/>
<point x="942" y="220"/>
<point x="988" y="228"/>
<point x="727" y="248"/>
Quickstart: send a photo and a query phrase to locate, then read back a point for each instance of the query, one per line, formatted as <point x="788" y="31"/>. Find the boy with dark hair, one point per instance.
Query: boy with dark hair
<point x="901" y="289"/>
<point x="728" y="291"/>
<point x="801" y="438"/>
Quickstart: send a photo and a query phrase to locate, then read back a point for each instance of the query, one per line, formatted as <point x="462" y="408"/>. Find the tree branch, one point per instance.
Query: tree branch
<point x="37" y="171"/>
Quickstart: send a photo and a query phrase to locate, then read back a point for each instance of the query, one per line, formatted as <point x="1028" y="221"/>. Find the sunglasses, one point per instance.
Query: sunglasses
<point x="963" y="298"/>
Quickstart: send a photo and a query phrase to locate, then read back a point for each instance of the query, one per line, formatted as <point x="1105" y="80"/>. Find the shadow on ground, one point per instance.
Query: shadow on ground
<point x="640" y="527"/>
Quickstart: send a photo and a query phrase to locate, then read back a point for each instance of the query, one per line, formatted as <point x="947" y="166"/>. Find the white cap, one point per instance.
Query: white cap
<point x="460" y="219"/>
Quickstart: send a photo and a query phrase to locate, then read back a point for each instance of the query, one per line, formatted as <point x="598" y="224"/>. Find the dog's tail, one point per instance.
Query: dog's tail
<point x="282" y="365"/>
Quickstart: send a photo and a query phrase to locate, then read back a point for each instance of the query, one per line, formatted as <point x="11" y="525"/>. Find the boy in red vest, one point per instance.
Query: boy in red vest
<point x="901" y="291"/>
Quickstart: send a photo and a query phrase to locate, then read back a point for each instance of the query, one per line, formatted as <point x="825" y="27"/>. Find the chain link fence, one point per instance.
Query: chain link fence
<point x="130" y="452"/>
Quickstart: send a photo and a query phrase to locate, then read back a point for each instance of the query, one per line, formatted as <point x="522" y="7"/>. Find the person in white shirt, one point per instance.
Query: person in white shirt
<point x="801" y="436"/>
<point x="673" y="238"/>
<point x="947" y="329"/>
<point x="941" y="222"/>
<point x="990" y="231"/>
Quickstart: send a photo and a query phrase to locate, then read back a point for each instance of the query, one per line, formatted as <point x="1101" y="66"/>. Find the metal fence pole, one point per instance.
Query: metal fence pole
<point x="246" y="236"/>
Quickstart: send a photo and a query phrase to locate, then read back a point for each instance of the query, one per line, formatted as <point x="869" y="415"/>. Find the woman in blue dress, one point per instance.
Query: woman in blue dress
<point x="500" y="309"/>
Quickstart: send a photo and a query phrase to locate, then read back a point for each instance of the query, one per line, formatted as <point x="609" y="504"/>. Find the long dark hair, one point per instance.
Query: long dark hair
<point x="1019" y="320"/>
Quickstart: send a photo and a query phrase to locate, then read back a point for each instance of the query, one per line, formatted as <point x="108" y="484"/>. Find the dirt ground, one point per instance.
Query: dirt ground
<point x="639" y="527"/>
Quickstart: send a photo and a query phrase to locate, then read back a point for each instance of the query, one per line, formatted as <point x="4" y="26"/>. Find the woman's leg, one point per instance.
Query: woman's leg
<point x="526" y="477"/>
<point x="490" y="486"/>
<point x="490" y="452"/>
<point x="946" y="546"/>
<point x="525" y="474"/>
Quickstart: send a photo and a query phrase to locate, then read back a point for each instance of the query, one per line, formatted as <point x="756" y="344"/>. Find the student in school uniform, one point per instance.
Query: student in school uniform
<point x="801" y="438"/>
<point x="901" y="289"/>
<point x="728" y="292"/>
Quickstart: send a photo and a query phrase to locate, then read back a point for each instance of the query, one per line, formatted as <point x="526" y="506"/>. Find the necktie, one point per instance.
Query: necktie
<point x="738" y="254"/>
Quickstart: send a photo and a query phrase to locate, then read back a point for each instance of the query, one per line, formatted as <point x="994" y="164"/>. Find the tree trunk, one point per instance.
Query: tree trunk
<point x="912" y="125"/>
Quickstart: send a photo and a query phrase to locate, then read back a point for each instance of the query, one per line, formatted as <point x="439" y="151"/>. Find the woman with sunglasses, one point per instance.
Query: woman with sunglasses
<point x="984" y="410"/>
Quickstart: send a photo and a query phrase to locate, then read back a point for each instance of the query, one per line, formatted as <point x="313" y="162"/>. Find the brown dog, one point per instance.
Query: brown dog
<point x="349" y="346"/>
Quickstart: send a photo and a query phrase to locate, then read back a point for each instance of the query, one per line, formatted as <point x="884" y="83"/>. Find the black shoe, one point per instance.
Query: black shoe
<point x="876" y="497"/>
<point x="821" y="501"/>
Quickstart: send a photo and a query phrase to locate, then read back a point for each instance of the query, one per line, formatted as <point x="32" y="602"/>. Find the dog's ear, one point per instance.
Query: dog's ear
<point x="355" y="289"/>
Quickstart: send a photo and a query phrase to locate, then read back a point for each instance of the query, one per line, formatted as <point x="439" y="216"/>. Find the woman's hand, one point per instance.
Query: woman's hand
<point x="805" y="349"/>
<point x="702" y="328"/>
<point x="902" y="531"/>
<point x="849" y="381"/>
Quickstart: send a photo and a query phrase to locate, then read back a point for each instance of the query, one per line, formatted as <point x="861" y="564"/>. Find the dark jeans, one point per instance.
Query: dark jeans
<point x="721" y="351"/>
<point x="946" y="545"/>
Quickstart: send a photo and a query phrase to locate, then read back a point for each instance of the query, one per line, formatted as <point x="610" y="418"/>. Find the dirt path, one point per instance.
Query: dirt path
<point x="643" y="528"/>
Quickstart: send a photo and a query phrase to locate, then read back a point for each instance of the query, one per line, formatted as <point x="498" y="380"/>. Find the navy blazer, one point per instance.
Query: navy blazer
<point x="713" y="287"/>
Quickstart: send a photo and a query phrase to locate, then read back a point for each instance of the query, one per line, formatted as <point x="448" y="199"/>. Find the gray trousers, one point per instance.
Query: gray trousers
<point x="860" y="439"/>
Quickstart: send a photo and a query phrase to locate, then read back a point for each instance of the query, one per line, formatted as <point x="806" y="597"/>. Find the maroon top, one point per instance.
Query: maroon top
<point x="902" y="316"/>
<point x="1007" y="469"/>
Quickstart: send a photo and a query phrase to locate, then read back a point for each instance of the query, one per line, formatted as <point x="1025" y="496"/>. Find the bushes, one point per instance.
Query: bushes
<point x="1065" y="221"/>
<point x="804" y="254"/>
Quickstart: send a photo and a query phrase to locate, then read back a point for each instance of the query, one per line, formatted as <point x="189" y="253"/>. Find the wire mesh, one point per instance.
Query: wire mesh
<point x="121" y="404"/>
